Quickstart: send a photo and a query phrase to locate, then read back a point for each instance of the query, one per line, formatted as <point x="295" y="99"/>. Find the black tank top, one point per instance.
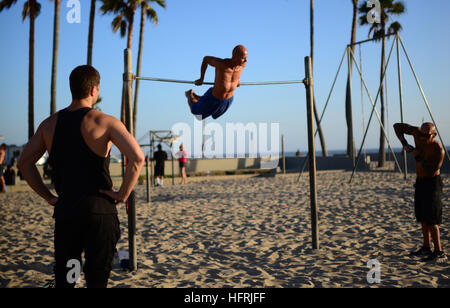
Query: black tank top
<point x="77" y="172"/>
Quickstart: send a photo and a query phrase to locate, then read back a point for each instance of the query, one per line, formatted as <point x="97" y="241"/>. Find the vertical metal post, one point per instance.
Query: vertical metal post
<point x="203" y="138"/>
<point x="173" y="171"/>
<point x="128" y="79"/>
<point x="349" y="81"/>
<point x="405" y="162"/>
<point x="312" y="152"/>
<point x="283" y="154"/>
<point x="147" y="176"/>
<point x="152" y="163"/>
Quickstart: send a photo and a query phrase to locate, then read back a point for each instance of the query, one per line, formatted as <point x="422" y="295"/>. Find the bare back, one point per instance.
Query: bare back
<point x="94" y="129"/>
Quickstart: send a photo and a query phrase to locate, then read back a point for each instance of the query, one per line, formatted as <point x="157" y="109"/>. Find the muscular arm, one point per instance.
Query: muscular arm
<point x="126" y="143"/>
<point x="401" y="129"/>
<point x="213" y="61"/>
<point x="32" y="152"/>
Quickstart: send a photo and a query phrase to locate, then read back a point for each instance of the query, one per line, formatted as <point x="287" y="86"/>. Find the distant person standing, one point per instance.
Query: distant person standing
<point x="159" y="157"/>
<point x="182" y="156"/>
<point x="429" y="156"/>
<point x="2" y="167"/>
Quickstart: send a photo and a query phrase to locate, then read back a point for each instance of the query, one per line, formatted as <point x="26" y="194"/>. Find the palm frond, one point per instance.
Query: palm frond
<point x="119" y="23"/>
<point x="395" y="27"/>
<point x="152" y="16"/>
<point x="6" y="4"/>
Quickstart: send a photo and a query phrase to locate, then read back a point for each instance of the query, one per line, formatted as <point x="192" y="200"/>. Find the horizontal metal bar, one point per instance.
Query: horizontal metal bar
<point x="211" y="83"/>
<point x="372" y="39"/>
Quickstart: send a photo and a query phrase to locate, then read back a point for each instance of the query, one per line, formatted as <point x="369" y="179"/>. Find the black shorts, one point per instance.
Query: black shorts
<point x="159" y="170"/>
<point x="428" y="200"/>
<point x="182" y="164"/>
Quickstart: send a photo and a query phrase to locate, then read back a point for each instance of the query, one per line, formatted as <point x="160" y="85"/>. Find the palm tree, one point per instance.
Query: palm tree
<point x="91" y="32"/>
<point x="55" y="55"/>
<point x="388" y="9"/>
<point x="316" y="114"/>
<point x="150" y="13"/>
<point x="31" y="9"/>
<point x="348" y="97"/>
<point x="91" y="39"/>
<point x="123" y="21"/>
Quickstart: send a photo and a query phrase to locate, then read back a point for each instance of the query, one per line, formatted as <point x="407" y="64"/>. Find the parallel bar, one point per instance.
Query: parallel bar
<point x="212" y="83"/>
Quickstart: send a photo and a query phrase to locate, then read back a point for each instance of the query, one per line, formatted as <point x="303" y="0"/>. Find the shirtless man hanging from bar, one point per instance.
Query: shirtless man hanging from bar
<point x="429" y="156"/>
<point x="216" y="101"/>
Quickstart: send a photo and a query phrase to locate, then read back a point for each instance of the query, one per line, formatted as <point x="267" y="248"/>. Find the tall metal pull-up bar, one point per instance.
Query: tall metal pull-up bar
<point x="308" y="82"/>
<point x="212" y="83"/>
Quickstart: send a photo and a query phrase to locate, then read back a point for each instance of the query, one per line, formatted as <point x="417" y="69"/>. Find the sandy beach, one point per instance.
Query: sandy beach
<point x="246" y="231"/>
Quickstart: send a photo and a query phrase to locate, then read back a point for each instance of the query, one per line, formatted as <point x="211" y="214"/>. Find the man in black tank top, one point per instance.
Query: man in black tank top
<point x="78" y="140"/>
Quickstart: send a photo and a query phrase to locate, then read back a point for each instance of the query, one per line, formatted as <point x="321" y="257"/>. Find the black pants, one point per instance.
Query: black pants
<point x="96" y="235"/>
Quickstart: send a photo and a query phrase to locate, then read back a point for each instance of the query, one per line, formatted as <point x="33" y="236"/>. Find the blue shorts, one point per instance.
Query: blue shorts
<point x="208" y="105"/>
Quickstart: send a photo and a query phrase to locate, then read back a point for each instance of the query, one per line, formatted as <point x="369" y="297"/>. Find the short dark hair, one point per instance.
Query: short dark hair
<point x="82" y="79"/>
<point x="3" y="146"/>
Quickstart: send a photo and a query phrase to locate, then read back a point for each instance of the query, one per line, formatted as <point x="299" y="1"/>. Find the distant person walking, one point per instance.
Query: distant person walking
<point x="2" y="167"/>
<point x="182" y="156"/>
<point x="79" y="140"/>
<point x="429" y="156"/>
<point x="159" y="157"/>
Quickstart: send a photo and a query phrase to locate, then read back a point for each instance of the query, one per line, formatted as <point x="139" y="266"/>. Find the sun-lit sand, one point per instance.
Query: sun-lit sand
<point x="246" y="231"/>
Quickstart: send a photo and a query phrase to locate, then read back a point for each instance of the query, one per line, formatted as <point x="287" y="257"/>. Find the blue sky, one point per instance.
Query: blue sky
<point x="276" y="33"/>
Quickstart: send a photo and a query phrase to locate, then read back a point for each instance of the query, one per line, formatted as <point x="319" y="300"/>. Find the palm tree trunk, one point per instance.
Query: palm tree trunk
<point x="129" y="43"/>
<point x="382" y="150"/>
<point x="55" y="56"/>
<point x="138" y="69"/>
<point x="351" y="150"/>
<point x="31" y="71"/>
<point x="316" y="114"/>
<point x="91" y="32"/>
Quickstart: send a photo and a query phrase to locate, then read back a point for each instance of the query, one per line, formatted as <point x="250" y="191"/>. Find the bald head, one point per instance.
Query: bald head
<point x="428" y="128"/>
<point x="240" y="50"/>
<point x="240" y="54"/>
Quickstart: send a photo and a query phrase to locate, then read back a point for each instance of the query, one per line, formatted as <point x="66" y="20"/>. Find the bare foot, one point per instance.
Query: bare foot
<point x="189" y="96"/>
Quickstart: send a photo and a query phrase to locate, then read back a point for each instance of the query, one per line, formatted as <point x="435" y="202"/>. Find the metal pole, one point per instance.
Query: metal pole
<point x="374" y="110"/>
<point x="312" y="152"/>
<point x="349" y="80"/>
<point x="405" y="162"/>
<point x="129" y="125"/>
<point x="147" y="176"/>
<point x="152" y="181"/>
<point x="173" y="172"/>
<point x="283" y="154"/>
<point x="203" y="138"/>
<point x="324" y="108"/>
<point x="423" y="96"/>
<point x="212" y="83"/>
